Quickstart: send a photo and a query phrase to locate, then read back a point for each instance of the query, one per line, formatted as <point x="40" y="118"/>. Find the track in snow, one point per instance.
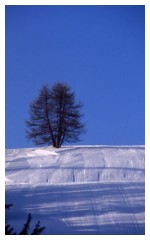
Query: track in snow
<point x="94" y="208"/>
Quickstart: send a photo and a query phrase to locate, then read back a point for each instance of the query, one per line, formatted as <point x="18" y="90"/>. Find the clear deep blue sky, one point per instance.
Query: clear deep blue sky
<point x="97" y="50"/>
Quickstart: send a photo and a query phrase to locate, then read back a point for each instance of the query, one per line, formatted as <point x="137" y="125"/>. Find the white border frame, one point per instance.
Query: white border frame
<point x="147" y="115"/>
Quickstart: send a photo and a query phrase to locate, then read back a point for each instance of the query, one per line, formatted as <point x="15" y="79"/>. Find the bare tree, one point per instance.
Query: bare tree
<point x="55" y="117"/>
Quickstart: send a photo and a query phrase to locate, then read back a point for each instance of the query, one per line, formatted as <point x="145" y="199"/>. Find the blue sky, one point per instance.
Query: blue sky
<point x="97" y="50"/>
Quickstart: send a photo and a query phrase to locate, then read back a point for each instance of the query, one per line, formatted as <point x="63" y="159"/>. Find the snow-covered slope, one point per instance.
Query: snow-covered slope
<point x="74" y="164"/>
<point x="77" y="190"/>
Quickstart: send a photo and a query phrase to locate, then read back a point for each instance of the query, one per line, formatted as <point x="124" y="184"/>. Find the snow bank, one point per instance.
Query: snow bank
<point x="90" y="190"/>
<point x="75" y="164"/>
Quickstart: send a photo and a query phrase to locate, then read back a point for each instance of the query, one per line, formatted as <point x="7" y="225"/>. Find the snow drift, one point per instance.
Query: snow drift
<point x="74" y="164"/>
<point x="78" y="189"/>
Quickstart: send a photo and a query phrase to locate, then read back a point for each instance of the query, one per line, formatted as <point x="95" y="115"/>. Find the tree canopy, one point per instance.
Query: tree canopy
<point x="55" y="117"/>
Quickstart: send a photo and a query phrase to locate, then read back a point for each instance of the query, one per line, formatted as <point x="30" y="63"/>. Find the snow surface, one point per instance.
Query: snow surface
<point x="78" y="189"/>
